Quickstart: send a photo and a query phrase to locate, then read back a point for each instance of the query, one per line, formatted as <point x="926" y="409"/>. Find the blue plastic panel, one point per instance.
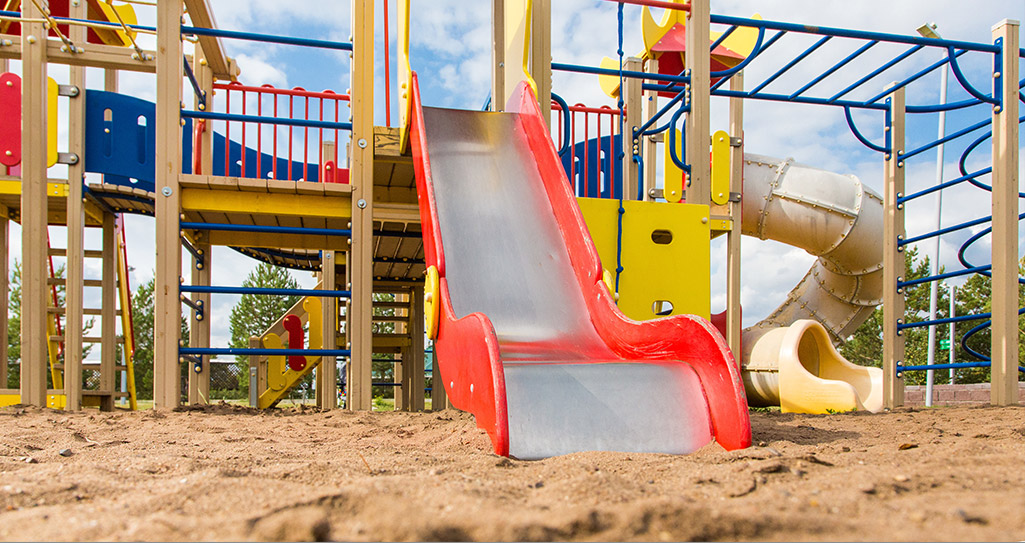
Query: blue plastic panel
<point x="120" y="143"/>
<point x="595" y="152"/>
<point x="120" y="139"/>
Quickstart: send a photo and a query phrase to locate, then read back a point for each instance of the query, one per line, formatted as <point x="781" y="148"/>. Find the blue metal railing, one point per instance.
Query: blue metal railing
<point x="269" y="291"/>
<point x="265" y="229"/>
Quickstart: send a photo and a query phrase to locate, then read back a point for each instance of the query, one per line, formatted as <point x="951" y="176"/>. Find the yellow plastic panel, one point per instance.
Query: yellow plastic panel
<point x="673" y="184"/>
<point x="665" y="255"/>
<point x="720" y="168"/>
<point x="51" y="122"/>
<point x="405" y="73"/>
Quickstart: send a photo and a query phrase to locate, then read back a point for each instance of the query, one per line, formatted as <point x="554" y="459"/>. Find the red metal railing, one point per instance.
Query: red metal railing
<point x="295" y="103"/>
<point x="605" y="121"/>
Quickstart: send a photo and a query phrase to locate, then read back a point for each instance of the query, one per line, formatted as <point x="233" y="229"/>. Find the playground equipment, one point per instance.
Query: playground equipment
<point x="528" y="337"/>
<point x="286" y="176"/>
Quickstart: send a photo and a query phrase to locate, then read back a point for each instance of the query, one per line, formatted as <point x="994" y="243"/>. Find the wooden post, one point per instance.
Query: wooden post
<point x="361" y="176"/>
<point x="257" y="373"/>
<point x="633" y="105"/>
<point x="541" y="55"/>
<point x="498" y="55"/>
<point x="205" y="75"/>
<point x="1004" y="352"/>
<point x="5" y="253"/>
<point x="108" y="315"/>
<point x="893" y="256"/>
<point x="33" y="209"/>
<point x="650" y="142"/>
<point x="698" y="135"/>
<point x="400" y="368"/>
<point x="734" y="328"/>
<point x="167" y="308"/>
<point x="327" y="372"/>
<point x="199" y="329"/>
<point x="74" y="296"/>
<point x="414" y="371"/>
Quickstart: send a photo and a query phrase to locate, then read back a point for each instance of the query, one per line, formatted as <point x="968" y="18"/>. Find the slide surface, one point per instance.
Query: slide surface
<point x="529" y="339"/>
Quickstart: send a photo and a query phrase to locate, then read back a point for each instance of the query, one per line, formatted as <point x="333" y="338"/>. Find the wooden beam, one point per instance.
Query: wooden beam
<point x="893" y="257"/>
<point x="276" y="241"/>
<point x="416" y="351"/>
<point x="633" y="105"/>
<point x="361" y="179"/>
<point x="74" y="300"/>
<point x="541" y="55"/>
<point x="264" y="203"/>
<point x="698" y="188"/>
<point x="498" y="59"/>
<point x="5" y="254"/>
<point x="108" y="317"/>
<point x="95" y="56"/>
<point x="650" y="142"/>
<point x="33" y="210"/>
<point x="327" y="371"/>
<point x="199" y="328"/>
<point x="167" y="307"/>
<point x="1004" y="352"/>
<point x="734" y="328"/>
<point x="203" y="17"/>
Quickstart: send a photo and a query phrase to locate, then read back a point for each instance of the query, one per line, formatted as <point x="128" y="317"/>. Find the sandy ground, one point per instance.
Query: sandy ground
<point x="229" y="473"/>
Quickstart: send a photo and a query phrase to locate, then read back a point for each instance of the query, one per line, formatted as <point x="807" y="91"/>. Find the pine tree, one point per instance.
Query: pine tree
<point x="142" y="326"/>
<point x="255" y="313"/>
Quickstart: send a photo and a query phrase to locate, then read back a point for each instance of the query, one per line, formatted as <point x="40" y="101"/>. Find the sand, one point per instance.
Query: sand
<point x="232" y="473"/>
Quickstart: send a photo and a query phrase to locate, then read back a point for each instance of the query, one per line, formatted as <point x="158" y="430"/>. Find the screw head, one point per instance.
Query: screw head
<point x="166" y="191"/>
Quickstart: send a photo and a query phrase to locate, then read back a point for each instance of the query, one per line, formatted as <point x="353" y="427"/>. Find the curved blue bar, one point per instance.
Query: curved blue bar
<point x="858" y="135"/>
<point x="565" y="122"/>
<point x="954" y="67"/>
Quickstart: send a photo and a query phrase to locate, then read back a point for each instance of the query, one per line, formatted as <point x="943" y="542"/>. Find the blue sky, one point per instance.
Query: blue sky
<point x="450" y="49"/>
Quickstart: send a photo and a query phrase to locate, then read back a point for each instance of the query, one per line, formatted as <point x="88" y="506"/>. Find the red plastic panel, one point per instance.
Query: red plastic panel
<point x="10" y="119"/>
<point x="294" y="326"/>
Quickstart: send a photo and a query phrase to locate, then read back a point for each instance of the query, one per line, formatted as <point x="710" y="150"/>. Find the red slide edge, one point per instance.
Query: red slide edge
<point x="466" y="350"/>
<point x="687" y="338"/>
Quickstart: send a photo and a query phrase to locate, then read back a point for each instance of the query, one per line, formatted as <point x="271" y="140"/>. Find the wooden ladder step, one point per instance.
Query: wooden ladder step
<point x="86" y="311"/>
<point x="86" y="339"/>
<point x="89" y="253"/>
<point x="87" y="282"/>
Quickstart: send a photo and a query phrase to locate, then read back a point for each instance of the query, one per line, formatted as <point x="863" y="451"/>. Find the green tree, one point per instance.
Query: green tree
<point x="255" y="313"/>
<point x="14" y="326"/>
<point x="865" y="346"/>
<point x="14" y="321"/>
<point x="142" y="326"/>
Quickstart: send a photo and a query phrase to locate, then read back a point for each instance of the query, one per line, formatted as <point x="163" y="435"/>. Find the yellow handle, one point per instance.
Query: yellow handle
<point x="432" y="305"/>
<point x="405" y="73"/>
<point x="527" y="24"/>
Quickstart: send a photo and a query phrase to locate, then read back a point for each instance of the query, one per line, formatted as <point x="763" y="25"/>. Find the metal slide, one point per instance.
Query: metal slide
<point x="789" y="359"/>
<point x="528" y="337"/>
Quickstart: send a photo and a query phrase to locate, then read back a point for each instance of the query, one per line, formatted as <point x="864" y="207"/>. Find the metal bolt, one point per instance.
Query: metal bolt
<point x="361" y="203"/>
<point x="166" y="191"/>
<point x="32" y="39"/>
<point x="362" y="143"/>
